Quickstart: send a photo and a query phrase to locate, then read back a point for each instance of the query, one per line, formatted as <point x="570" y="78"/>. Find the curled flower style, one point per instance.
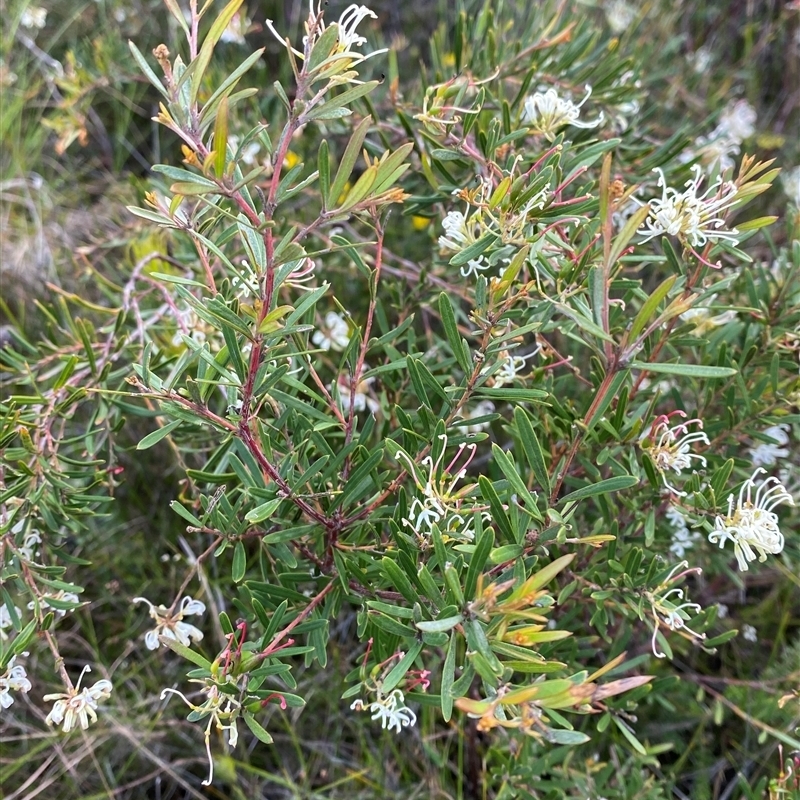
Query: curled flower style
<point x="752" y="525"/>
<point x="695" y="219"/>
<point x="333" y="334"/>
<point x="674" y="613"/>
<point x="14" y="679"/>
<point x="441" y="504"/>
<point x="391" y="710"/>
<point x="510" y="366"/>
<point x="222" y="710"/>
<point x="170" y="624"/>
<point x="669" y="452"/>
<point x="546" y="113"/>
<point x="767" y="454"/>
<point x="77" y="706"/>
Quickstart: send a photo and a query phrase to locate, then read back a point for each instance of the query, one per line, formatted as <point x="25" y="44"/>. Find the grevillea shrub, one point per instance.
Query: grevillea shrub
<point x="483" y="385"/>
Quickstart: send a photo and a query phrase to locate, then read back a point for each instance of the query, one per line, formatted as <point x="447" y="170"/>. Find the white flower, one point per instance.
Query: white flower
<point x="14" y="679"/>
<point x="752" y="525"/>
<point x="693" y="219"/>
<point x="682" y="538"/>
<point x="77" y="705"/>
<point x="441" y="504"/>
<point x="716" y="153"/>
<point x="620" y="15"/>
<point x="701" y="60"/>
<point x="33" y="18"/>
<point x="334" y="333"/>
<point x="482" y="409"/>
<point x="737" y="121"/>
<point x="390" y="710"/>
<point x="669" y="452"/>
<point x="5" y="620"/>
<point x="170" y="624"/>
<point x="458" y="235"/>
<point x="749" y="633"/>
<point x="722" y="610"/>
<point x="222" y="710"/>
<point x="546" y="113"/>
<point x="766" y="454"/>
<point x="791" y="184"/>
<point x="510" y="366"/>
<point x="702" y="319"/>
<point x="27" y="550"/>
<point x="361" y="400"/>
<point x="237" y="28"/>
<point x="60" y="596"/>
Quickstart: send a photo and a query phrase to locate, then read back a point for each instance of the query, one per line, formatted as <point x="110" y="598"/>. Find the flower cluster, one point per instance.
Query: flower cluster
<point x="546" y="113"/>
<point x="391" y="710"/>
<point x="736" y="124"/>
<point x="671" y="448"/>
<point x="752" y="525"/>
<point x="170" y="624"/>
<point x="695" y="219"/>
<point x="441" y="504"/>
<point x="76" y="705"/>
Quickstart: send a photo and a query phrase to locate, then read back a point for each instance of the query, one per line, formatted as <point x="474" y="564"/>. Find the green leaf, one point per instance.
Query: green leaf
<point x="632" y="740"/>
<point x="474" y="250"/>
<point x="203" y="59"/>
<point x="517" y="484"/>
<point x="145" y="68"/>
<point x="262" y="512"/>
<point x="324" y="170"/>
<point x="399" y="580"/>
<point x="185" y="652"/>
<point x="649" y="308"/>
<point x="439" y="625"/>
<point x="627" y="233"/>
<point x="448" y="678"/>
<point x="256" y="729"/>
<point x="221" y="138"/>
<point x="499" y="516"/>
<point x="686" y="370"/>
<point x="156" y="436"/>
<point x="399" y="670"/>
<point x="451" y="331"/>
<point x="348" y="161"/>
<point x="603" y="487"/>
<point x="532" y="449"/>
<point x="239" y="563"/>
